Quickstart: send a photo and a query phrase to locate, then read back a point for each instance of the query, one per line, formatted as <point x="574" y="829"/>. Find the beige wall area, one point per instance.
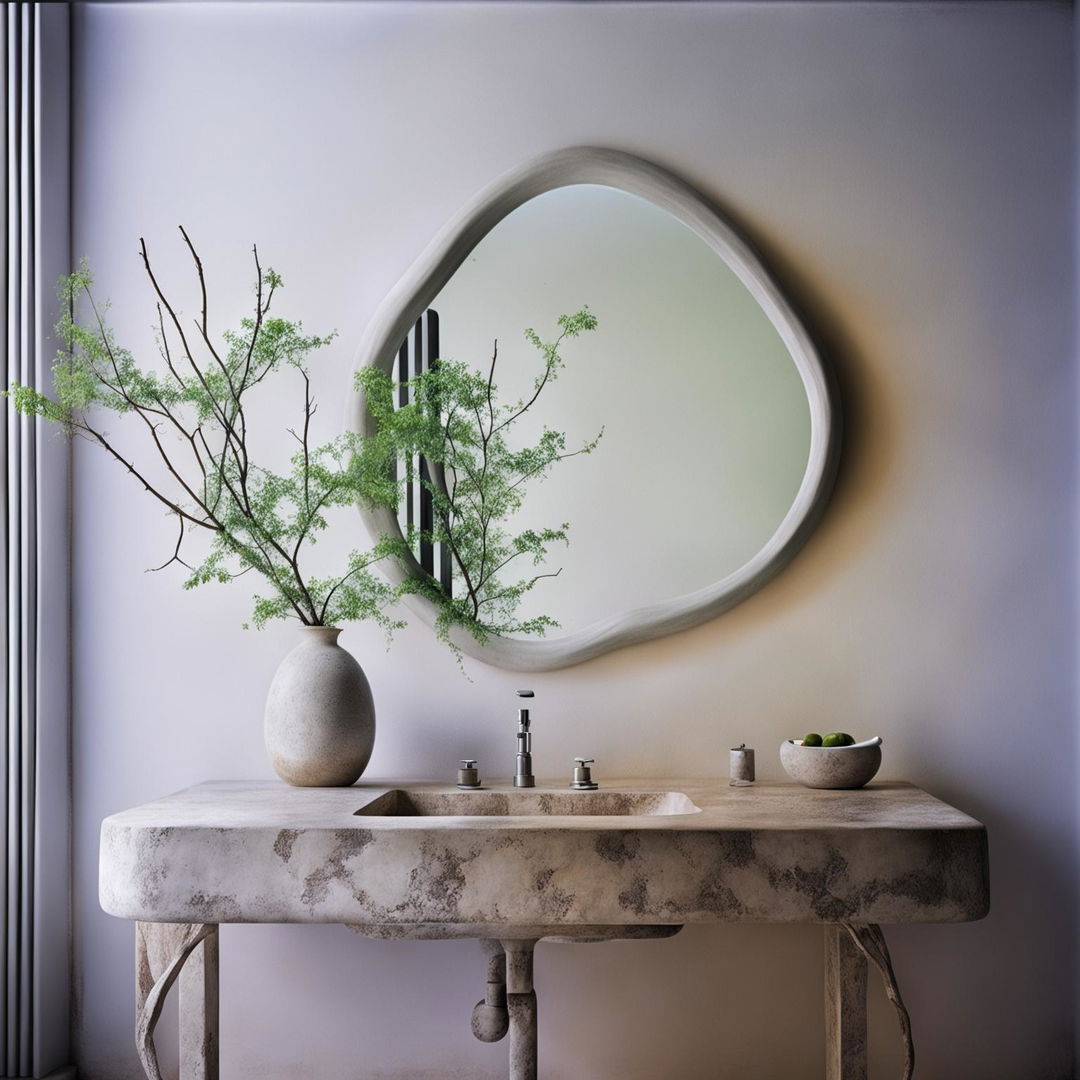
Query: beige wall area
<point x="907" y="171"/>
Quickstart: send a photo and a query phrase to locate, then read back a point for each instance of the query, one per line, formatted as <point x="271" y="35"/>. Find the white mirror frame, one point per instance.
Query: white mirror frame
<point x="414" y="293"/>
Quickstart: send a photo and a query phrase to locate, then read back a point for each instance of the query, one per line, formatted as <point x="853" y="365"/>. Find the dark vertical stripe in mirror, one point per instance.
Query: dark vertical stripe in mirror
<point x="402" y="376"/>
<point x="417" y="354"/>
<point x="426" y="554"/>
<point x="446" y="570"/>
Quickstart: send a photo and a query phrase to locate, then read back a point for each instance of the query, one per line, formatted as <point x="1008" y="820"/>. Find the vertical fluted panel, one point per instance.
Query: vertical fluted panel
<point x="33" y="894"/>
<point x="8" y="1015"/>
<point x="14" y="998"/>
<point x="19" y="546"/>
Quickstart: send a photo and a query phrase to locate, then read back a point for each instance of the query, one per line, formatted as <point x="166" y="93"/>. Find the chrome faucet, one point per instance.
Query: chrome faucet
<point x="523" y="774"/>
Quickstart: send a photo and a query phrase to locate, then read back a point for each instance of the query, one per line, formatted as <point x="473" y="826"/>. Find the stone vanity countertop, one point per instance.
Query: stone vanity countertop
<point x="261" y="851"/>
<point x="240" y="804"/>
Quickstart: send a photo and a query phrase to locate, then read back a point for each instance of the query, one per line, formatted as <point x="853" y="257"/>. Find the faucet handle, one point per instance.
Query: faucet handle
<point x="525" y="693"/>
<point x="468" y="776"/>
<point x="583" y="780"/>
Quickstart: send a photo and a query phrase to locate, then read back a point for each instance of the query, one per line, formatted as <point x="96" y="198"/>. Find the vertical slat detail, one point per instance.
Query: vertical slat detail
<point x="28" y="553"/>
<point x="13" y="869"/>
<point x="443" y="560"/>
<point x="419" y="353"/>
<point x="32" y="506"/>
<point x="8" y="427"/>
<point x="403" y="400"/>
<point x="427" y="551"/>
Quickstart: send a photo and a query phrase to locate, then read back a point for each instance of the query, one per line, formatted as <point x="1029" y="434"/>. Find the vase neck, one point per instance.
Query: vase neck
<point x="325" y="635"/>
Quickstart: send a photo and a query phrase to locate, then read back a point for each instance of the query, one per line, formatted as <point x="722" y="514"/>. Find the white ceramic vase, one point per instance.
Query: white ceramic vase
<point x="320" y="716"/>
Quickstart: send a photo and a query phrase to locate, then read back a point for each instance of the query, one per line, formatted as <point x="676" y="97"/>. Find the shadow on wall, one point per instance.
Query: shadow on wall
<point x="1032" y="914"/>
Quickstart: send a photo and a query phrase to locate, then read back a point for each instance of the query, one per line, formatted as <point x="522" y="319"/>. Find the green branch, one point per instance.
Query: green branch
<point x="456" y="421"/>
<point x="255" y="518"/>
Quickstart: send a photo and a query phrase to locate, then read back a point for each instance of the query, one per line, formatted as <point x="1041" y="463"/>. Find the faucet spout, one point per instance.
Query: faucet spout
<point x="523" y="774"/>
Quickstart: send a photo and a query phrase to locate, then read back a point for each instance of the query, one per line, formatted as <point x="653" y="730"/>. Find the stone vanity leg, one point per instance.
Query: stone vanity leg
<point x="848" y="946"/>
<point x="845" y="1007"/>
<point x="521" y="1005"/>
<point x="164" y="953"/>
<point x="199" y="1011"/>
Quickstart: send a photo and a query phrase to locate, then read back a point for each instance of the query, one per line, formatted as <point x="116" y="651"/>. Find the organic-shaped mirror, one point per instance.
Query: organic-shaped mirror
<point x="718" y="432"/>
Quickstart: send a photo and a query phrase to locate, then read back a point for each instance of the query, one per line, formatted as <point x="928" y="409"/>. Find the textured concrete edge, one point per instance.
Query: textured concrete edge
<point x="960" y="880"/>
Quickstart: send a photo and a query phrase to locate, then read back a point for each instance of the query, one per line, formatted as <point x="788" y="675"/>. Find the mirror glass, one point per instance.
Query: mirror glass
<point x="705" y="419"/>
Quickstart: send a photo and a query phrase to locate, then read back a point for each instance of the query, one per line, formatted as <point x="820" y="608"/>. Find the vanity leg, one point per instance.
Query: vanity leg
<point x="521" y="1004"/>
<point x="845" y="1006"/>
<point x="199" y="1011"/>
<point x="161" y="951"/>
<point x="870" y="940"/>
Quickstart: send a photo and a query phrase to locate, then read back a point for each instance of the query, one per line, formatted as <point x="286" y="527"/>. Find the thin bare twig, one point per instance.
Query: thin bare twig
<point x="532" y="582"/>
<point x="175" y="558"/>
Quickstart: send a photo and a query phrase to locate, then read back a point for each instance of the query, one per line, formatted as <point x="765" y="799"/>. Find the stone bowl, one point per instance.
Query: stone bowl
<point x="831" y="766"/>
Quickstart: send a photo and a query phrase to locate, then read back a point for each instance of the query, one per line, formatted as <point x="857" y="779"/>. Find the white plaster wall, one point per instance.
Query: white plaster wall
<point x="908" y="171"/>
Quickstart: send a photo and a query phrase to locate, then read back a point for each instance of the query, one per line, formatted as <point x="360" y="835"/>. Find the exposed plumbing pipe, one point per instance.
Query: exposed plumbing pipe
<point x="509" y="1005"/>
<point x="490" y="1017"/>
<point x="522" y="1009"/>
<point x="521" y="1005"/>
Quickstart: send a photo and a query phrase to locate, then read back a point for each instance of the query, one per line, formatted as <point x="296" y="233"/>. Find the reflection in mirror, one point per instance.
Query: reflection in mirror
<point x="706" y="422"/>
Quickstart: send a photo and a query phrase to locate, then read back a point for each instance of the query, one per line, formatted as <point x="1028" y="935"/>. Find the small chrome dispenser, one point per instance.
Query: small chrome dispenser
<point x="523" y="774"/>
<point x="583" y="780"/>
<point x="468" y="776"/>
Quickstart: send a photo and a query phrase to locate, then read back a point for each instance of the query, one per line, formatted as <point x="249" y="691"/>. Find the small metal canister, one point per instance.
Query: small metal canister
<point x="741" y="766"/>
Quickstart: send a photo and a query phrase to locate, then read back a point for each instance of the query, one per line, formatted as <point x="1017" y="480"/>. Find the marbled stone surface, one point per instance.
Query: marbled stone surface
<point x="261" y="851"/>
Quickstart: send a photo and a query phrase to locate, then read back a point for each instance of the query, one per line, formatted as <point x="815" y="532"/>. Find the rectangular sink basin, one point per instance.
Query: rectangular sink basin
<point x="528" y="803"/>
